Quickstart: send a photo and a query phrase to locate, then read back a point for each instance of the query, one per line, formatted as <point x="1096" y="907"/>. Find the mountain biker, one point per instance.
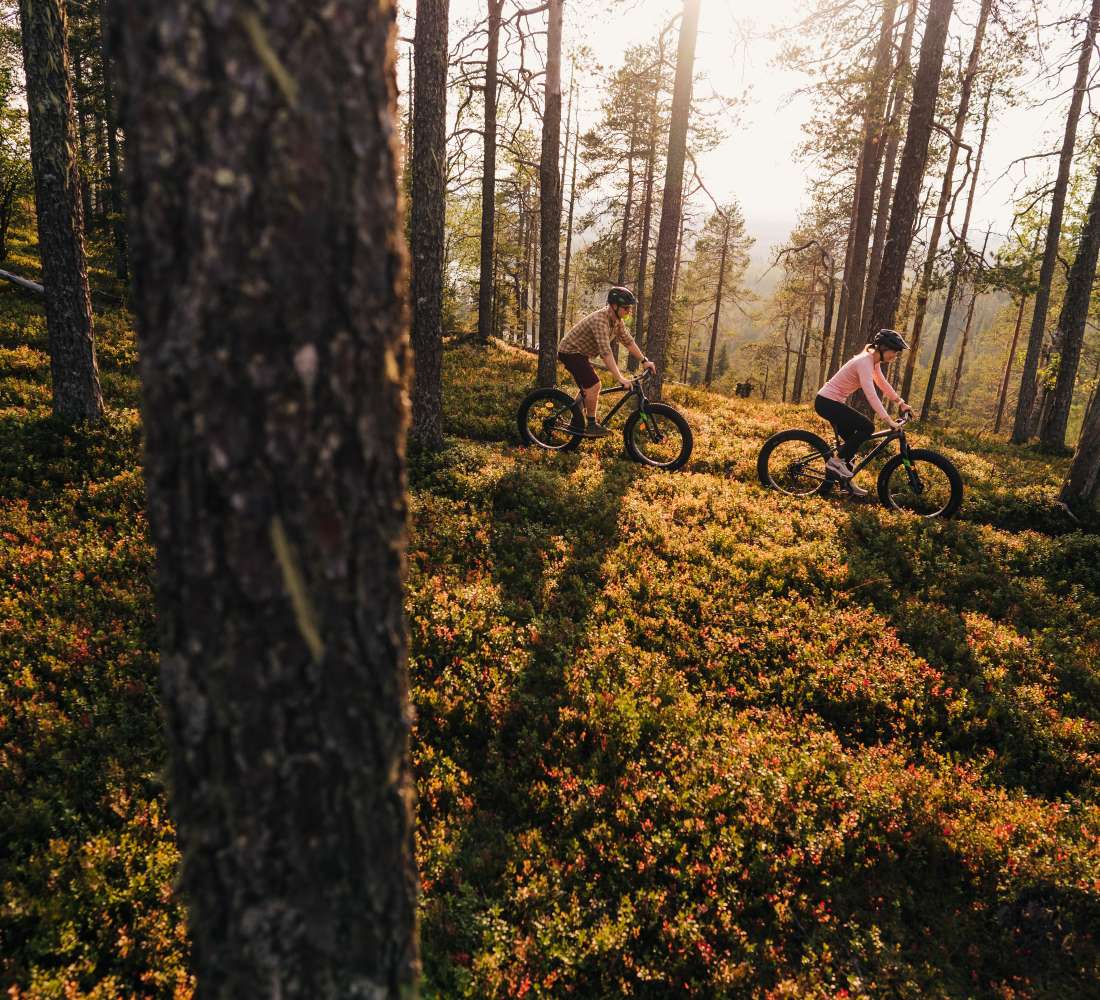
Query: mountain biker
<point x="593" y="337"/>
<point x="864" y="371"/>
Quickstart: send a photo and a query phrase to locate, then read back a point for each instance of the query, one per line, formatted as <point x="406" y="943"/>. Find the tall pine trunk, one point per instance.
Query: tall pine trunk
<point x="1023" y="425"/>
<point x="76" y="391"/>
<point x="1082" y="486"/>
<point x="488" y="176"/>
<point x="871" y="158"/>
<point x="550" y="203"/>
<point x="1070" y="333"/>
<point x="620" y="278"/>
<point x="889" y="167"/>
<point x="914" y="158"/>
<point x="429" y="190"/>
<point x="965" y="92"/>
<point x="569" y="235"/>
<point x="718" y="302"/>
<point x="114" y="174"/>
<point x="668" y="237"/>
<point x="647" y="220"/>
<point x="270" y="298"/>
<point x="953" y="284"/>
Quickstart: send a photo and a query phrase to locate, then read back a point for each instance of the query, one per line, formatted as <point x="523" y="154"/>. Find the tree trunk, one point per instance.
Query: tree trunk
<point x="621" y="278"/>
<point x="914" y="157"/>
<point x="1082" y="486"/>
<point x="1002" y="395"/>
<point x="886" y="188"/>
<point x="488" y="176"/>
<point x="429" y="191"/>
<point x="718" y="303"/>
<point x="76" y="392"/>
<point x="79" y="104"/>
<point x="949" y="301"/>
<point x="803" y="352"/>
<point x="114" y="176"/>
<point x="966" y="333"/>
<point x="967" y="86"/>
<point x="1070" y="332"/>
<point x="664" y="271"/>
<point x="835" y="360"/>
<point x="826" y="331"/>
<point x="647" y="226"/>
<point x="270" y="298"/>
<point x="871" y="158"/>
<point x="550" y="203"/>
<point x="569" y="233"/>
<point x="1023" y="426"/>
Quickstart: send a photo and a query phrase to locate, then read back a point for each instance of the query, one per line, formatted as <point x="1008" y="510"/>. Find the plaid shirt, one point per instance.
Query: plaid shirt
<point x="594" y="335"/>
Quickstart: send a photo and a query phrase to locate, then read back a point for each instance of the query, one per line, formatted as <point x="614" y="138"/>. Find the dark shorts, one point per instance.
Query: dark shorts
<point x="581" y="369"/>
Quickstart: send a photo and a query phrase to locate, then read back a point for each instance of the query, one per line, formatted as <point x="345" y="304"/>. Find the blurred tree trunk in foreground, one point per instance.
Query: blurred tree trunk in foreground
<point x="270" y="286"/>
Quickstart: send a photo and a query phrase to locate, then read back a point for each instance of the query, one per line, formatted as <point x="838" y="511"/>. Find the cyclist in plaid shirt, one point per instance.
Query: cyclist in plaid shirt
<point x="593" y="337"/>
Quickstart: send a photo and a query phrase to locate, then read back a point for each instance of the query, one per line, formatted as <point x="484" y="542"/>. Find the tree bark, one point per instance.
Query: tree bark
<point x="966" y="333"/>
<point x="1023" y="425"/>
<point x="270" y="289"/>
<point x="952" y="287"/>
<point x="114" y="175"/>
<point x="945" y="197"/>
<point x="664" y="272"/>
<point x="893" y="142"/>
<point x="647" y="221"/>
<point x="826" y="330"/>
<point x="621" y="277"/>
<point x="550" y="203"/>
<point x="76" y="391"/>
<point x="1070" y="332"/>
<point x="914" y="157"/>
<point x="871" y="158"/>
<point x="569" y="234"/>
<point x="429" y="191"/>
<point x="1082" y="486"/>
<point x="488" y="176"/>
<point x="718" y="303"/>
<point x="842" y="310"/>
<point x="1002" y="395"/>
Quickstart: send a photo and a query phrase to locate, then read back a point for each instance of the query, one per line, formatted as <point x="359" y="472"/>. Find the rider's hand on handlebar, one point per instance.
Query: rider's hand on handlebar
<point x="625" y="382"/>
<point x="905" y="408"/>
<point x="650" y="367"/>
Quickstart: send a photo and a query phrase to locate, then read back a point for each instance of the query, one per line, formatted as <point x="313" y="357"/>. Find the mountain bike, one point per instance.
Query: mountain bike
<point x="917" y="480"/>
<point x="654" y="434"/>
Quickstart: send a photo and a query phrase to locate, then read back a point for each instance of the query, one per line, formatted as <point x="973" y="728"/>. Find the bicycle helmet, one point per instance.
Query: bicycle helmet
<point x="889" y="340"/>
<point x="619" y="296"/>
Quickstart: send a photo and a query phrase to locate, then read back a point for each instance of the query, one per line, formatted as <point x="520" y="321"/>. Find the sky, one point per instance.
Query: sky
<point x="756" y="163"/>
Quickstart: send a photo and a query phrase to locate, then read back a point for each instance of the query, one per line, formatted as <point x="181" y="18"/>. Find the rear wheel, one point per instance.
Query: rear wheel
<point x="659" y="437"/>
<point x="793" y="462"/>
<point x="550" y="419"/>
<point x="929" y="485"/>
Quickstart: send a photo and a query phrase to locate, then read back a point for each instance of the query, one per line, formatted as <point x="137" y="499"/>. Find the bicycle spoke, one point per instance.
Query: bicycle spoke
<point x="922" y="489"/>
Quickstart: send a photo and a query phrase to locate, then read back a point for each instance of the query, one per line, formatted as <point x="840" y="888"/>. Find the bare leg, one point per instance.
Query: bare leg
<point x="591" y="399"/>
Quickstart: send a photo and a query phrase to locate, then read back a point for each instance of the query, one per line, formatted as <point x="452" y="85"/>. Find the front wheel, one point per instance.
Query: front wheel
<point x="550" y="419"/>
<point x="659" y="436"/>
<point x="928" y="484"/>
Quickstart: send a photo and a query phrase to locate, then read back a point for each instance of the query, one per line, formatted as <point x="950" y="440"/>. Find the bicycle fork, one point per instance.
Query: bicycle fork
<point x="915" y="483"/>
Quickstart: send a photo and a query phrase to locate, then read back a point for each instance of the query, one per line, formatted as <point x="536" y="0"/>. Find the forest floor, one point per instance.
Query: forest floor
<point x="677" y="735"/>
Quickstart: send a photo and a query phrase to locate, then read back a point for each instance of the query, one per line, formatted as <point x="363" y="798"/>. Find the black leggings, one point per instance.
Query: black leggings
<point x="853" y="427"/>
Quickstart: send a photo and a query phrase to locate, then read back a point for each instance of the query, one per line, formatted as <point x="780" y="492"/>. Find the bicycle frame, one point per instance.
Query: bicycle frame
<point x="634" y="390"/>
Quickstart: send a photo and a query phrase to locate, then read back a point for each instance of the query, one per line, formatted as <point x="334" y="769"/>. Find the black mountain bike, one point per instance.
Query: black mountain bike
<point x="917" y="480"/>
<point x="654" y="434"/>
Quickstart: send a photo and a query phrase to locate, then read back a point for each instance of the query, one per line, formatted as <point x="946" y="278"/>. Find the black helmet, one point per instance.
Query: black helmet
<point x="889" y="340"/>
<point x="619" y="296"/>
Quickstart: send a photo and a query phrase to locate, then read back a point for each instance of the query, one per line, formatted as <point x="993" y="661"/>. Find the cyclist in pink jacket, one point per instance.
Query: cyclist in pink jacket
<point x="864" y="371"/>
